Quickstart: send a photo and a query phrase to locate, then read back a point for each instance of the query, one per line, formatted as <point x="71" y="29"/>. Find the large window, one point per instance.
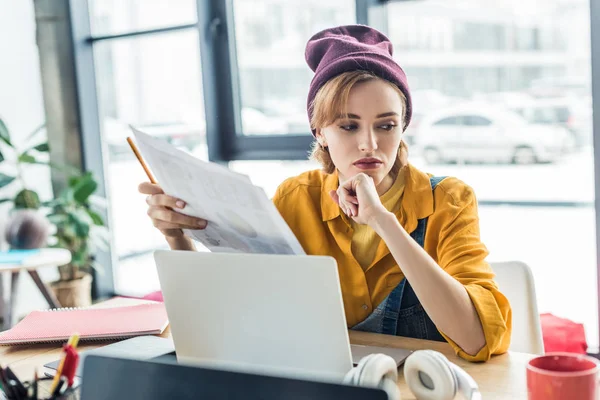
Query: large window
<point x="501" y="99"/>
<point x="148" y="73"/>
<point x="152" y="81"/>
<point x="109" y="17"/>
<point x="531" y="163"/>
<point x="270" y="39"/>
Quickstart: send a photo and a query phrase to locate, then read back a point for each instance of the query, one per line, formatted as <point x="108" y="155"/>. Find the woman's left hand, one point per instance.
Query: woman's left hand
<point x="358" y="198"/>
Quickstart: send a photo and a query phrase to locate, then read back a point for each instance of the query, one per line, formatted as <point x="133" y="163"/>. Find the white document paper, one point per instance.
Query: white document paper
<point x="241" y="218"/>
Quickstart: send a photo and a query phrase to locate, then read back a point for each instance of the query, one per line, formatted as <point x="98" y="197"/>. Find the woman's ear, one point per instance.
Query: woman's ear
<point x="321" y="138"/>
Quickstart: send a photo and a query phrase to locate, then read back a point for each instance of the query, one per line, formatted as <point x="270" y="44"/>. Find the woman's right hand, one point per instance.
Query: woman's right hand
<point x="162" y="209"/>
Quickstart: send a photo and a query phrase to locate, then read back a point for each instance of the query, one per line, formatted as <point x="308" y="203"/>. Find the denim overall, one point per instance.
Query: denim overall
<point x="401" y="313"/>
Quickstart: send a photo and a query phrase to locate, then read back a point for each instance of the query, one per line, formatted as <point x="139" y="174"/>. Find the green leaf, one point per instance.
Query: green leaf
<point x="27" y="199"/>
<point x="81" y="223"/>
<point x="5" y="200"/>
<point x="1" y="157"/>
<point x="96" y="218"/>
<point x="51" y="203"/>
<point x="84" y="188"/>
<point x="79" y="258"/>
<point x="42" y="147"/>
<point x="57" y="219"/>
<point x="5" y="179"/>
<point x="27" y="158"/>
<point x="4" y="135"/>
<point x="73" y="181"/>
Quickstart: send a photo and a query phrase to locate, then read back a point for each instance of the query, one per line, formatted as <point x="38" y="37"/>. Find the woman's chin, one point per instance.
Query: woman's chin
<point x="378" y="175"/>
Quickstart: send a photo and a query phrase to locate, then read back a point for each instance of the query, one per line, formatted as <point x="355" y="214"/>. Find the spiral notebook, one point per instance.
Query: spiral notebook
<point x="57" y="325"/>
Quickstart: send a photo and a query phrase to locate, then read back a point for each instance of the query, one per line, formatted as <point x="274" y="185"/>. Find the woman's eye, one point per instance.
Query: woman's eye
<point x="388" y="127"/>
<point x="349" y="127"/>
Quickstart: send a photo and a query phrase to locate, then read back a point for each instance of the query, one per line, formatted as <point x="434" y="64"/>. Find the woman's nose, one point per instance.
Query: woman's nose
<point x="367" y="141"/>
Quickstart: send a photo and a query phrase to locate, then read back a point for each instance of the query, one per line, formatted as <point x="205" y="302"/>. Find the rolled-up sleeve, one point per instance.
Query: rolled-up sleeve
<point x="462" y="255"/>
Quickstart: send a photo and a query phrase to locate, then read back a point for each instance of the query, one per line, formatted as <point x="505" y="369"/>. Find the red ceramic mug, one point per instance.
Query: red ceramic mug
<point x="559" y="376"/>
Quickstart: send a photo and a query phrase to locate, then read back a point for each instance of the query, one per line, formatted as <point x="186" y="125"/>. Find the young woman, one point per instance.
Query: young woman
<point x="411" y="262"/>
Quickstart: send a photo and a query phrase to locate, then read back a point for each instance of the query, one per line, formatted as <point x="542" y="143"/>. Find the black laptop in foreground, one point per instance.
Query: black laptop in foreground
<point x="111" y="378"/>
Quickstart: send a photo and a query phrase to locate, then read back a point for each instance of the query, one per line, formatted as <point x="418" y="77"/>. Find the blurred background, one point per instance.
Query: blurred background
<point x="502" y="99"/>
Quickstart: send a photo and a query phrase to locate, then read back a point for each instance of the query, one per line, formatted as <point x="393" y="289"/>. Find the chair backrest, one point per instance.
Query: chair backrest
<point x="515" y="281"/>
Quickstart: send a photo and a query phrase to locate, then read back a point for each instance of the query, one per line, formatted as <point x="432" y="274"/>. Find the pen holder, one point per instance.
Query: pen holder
<point x="67" y="394"/>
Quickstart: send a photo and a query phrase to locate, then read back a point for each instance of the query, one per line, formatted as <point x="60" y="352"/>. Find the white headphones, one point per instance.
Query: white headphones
<point x="428" y="374"/>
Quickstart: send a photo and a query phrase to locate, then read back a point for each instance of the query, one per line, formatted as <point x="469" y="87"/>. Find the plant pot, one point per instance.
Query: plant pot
<point x="74" y="293"/>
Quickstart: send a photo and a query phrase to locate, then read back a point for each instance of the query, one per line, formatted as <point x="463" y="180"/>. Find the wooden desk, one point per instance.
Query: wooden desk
<point x="503" y="377"/>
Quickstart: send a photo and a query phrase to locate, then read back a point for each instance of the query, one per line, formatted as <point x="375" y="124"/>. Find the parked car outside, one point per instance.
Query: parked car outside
<point x="575" y="116"/>
<point x="488" y="134"/>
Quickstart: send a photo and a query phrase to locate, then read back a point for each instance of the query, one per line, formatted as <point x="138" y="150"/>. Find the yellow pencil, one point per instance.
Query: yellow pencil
<point x="75" y="340"/>
<point x="140" y="159"/>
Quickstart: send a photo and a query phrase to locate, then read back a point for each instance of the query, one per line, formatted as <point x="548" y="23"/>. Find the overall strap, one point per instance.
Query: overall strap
<point x="419" y="233"/>
<point x="434" y="180"/>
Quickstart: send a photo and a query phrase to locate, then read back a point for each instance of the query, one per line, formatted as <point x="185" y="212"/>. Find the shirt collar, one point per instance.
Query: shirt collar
<point x="329" y="210"/>
<point x="417" y="201"/>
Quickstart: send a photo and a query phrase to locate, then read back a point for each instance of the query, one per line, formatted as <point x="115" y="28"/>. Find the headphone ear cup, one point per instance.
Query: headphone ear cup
<point x="429" y="376"/>
<point x="377" y="371"/>
<point x="378" y="367"/>
<point x="353" y="376"/>
<point x="465" y="382"/>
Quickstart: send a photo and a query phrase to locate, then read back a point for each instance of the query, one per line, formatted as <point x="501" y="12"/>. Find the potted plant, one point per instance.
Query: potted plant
<point x="81" y="230"/>
<point x="27" y="228"/>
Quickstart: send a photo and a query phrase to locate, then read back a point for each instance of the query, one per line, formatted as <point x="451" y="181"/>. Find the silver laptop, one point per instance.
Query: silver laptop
<point x="274" y="314"/>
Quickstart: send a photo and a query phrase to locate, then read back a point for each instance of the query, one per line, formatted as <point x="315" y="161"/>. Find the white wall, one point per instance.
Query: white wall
<point x="21" y="108"/>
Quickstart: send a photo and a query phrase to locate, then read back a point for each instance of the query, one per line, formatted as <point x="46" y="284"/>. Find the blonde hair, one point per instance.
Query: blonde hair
<point x="330" y="102"/>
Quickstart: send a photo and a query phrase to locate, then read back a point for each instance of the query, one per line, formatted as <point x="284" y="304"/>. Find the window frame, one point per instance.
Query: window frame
<point x="220" y="80"/>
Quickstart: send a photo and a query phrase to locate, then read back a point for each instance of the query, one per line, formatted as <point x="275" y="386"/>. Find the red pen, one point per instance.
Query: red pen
<point x="70" y="365"/>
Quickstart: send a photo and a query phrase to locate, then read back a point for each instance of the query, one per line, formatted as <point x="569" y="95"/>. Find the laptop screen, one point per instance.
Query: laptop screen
<point x="107" y="378"/>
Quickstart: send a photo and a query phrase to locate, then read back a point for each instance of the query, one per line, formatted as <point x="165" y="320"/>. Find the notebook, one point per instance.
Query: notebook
<point x="58" y="325"/>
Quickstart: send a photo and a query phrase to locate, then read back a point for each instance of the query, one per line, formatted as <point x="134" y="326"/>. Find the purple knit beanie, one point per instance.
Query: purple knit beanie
<point x="334" y="51"/>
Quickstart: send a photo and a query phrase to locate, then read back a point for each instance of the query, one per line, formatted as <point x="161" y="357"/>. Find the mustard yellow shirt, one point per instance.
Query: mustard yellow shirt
<point x="364" y="239"/>
<point x="451" y="239"/>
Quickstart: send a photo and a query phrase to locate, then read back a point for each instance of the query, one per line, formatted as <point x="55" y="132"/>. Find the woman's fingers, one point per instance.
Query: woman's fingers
<point x="347" y="201"/>
<point x="149" y="188"/>
<point x="165" y="201"/>
<point x="353" y="209"/>
<point x="164" y="225"/>
<point x="162" y="215"/>
<point x="170" y="223"/>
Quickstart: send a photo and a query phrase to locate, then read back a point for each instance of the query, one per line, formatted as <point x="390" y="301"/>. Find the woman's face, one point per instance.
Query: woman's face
<point x="368" y="139"/>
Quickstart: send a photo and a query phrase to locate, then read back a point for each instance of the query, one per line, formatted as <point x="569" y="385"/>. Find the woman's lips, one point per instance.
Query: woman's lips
<point x="368" y="165"/>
